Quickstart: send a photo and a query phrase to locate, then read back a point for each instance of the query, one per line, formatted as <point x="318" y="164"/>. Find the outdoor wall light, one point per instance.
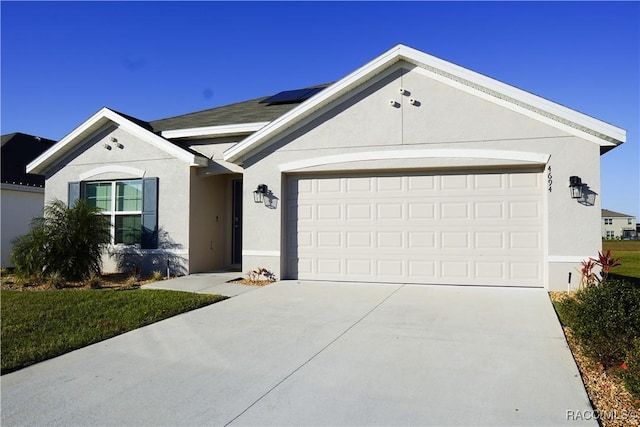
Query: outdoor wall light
<point x="260" y="192"/>
<point x="113" y="139"/>
<point x="575" y="187"/>
<point x="107" y="146"/>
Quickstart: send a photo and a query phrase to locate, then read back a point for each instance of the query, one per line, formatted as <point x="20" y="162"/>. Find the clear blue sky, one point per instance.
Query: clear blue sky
<point x="61" y="62"/>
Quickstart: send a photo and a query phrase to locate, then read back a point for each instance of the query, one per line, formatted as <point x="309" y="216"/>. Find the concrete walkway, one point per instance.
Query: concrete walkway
<point x="320" y="354"/>
<point x="205" y="283"/>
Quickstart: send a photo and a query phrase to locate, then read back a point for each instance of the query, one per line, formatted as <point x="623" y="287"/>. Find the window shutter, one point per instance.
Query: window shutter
<point x="74" y="193"/>
<point x="149" y="238"/>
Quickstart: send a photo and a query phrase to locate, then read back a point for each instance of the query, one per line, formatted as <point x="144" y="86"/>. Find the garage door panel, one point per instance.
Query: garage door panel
<point x="483" y="228"/>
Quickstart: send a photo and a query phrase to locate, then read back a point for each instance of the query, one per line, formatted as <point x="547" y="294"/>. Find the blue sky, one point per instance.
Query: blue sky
<point x="62" y="61"/>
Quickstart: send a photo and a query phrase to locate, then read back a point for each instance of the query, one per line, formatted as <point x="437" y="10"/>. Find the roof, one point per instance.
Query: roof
<point x="251" y="111"/>
<point x="605" y="135"/>
<point x="611" y="214"/>
<point x="18" y="149"/>
<point x="105" y="117"/>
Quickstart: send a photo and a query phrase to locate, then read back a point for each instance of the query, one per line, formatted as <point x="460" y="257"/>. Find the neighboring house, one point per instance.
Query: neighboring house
<point x="408" y="170"/>
<point x="616" y="225"/>
<point x="22" y="193"/>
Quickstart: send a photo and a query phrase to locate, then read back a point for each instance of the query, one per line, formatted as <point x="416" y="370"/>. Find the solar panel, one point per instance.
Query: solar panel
<point x="291" y="96"/>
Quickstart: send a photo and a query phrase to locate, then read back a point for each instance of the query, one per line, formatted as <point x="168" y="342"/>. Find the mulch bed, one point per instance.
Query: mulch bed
<point x="614" y="404"/>
<point x="118" y="281"/>
<point x="253" y="282"/>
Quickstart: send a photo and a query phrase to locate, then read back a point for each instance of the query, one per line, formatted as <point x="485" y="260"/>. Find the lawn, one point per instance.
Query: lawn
<point x="629" y="251"/>
<point x="40" y="325"/>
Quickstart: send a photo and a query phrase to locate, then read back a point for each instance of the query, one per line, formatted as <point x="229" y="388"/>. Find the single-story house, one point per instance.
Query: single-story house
<point x="408" y="170"/>
<point x="616" y="225"/>
<point x="22" y="194"/>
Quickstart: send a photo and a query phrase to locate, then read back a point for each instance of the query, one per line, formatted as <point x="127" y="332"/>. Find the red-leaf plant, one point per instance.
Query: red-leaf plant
<point x="606" y="263"/>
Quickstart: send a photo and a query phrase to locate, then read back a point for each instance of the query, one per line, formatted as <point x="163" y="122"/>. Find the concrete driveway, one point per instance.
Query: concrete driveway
<point x="320" y="354"/>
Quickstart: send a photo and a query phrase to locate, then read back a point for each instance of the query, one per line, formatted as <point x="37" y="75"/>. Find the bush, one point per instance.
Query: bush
<point x="605" y="318"/>
<point x="66" y="240"/>
<point x="631" y="370"/>
<point x="94" y="281"/>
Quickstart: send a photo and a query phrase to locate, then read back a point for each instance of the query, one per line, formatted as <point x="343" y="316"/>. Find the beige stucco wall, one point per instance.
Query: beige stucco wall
<point x="443" y="118"/>
<point x="618" y="224"/>
<point x="173" y="181"/>
<point x="211" y="221"/>
<point x="19" y="206"/>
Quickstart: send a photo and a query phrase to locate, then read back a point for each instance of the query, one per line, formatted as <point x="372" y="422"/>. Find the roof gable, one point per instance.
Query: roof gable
<point x="98" y="121"/>
<point x="586" y="127"/>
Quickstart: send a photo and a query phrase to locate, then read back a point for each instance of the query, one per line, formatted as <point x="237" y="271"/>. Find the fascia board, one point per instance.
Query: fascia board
<point x="157" y="141"/>
<point x="214" y="131"/>
<point x="40" y="164"/>
<point x="421" y="59"/>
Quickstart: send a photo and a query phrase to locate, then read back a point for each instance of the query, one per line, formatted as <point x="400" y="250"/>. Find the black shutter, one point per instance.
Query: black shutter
<point x="149" y="238"/>
<point x="74" y="193"/>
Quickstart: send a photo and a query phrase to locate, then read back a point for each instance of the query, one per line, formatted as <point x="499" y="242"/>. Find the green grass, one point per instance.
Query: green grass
<point x="629" y="251"/>
<point x="40" y="325"/>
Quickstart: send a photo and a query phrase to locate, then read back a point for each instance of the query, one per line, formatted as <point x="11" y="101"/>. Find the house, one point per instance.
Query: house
<point x="408" y="170"/>
<point x="616" y="225"/>
<point x="22" y="193"/>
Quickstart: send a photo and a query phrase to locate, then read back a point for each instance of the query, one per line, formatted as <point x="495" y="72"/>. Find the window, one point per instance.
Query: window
<point x="122" y="201"/>
<point x="608" y="221"/>
<point x="629" y="221"/>
<point x="610" y="235"/>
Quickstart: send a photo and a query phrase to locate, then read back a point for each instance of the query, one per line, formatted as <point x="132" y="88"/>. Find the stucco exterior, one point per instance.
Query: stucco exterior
<point x="91" y="161"/>
<point x="446" y="118"/>
<point x="404" y="113"/>
<point x="617" y="226"/>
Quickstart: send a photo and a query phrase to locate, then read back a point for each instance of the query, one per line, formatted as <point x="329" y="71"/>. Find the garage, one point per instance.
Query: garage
<point x="483" y="227"/>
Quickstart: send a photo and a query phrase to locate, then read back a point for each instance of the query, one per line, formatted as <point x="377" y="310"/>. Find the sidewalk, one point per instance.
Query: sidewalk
<point x="205" y="283"/>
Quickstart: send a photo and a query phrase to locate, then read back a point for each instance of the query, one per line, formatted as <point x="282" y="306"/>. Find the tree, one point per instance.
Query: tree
<point x="66" y="241"/>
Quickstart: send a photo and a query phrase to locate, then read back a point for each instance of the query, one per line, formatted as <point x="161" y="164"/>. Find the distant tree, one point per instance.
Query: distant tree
<point x="65" y="241"/>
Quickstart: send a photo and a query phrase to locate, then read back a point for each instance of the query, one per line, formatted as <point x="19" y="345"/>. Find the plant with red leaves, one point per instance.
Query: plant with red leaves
<point x="607" y="262"/>
<point x="588" y="277"/>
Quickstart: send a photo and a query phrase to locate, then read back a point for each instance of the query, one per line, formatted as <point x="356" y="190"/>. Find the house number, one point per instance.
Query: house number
<point x="549" y="178"/>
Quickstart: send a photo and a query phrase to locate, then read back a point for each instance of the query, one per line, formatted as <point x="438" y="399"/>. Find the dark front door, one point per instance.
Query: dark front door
<point x="236" y="240"/>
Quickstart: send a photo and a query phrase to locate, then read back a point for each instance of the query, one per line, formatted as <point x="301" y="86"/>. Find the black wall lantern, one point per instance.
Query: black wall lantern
<point x="260" y="192"/>
<point x="575" y="187"/>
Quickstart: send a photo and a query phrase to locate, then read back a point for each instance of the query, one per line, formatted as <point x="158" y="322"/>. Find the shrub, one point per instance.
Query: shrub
<point x="69" y="241"/>
<point x="55" y="280"/>
<point x="132" y="281"/>
<point x="157" y="275"/>
<point x="631" y="370"/>
<point x="94" y="281"/>
<point x="567" y="309"/>
<point x="605" y="318"/>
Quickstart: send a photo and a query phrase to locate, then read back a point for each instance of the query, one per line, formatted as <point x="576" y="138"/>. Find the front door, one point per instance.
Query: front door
<point x="236" y="239"/>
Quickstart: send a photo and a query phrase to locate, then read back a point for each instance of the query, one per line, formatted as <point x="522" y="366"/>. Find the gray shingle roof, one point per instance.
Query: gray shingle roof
<point x="18" y="149"/>
<point x="250" y="111"/>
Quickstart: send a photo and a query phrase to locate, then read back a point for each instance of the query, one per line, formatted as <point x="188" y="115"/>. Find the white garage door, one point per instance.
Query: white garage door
<point x="472" y="229"/>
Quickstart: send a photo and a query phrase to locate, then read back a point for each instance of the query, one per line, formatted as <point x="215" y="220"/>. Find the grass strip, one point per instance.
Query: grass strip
<point x="37" y="326"/>
<point x="629" y="251"/>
